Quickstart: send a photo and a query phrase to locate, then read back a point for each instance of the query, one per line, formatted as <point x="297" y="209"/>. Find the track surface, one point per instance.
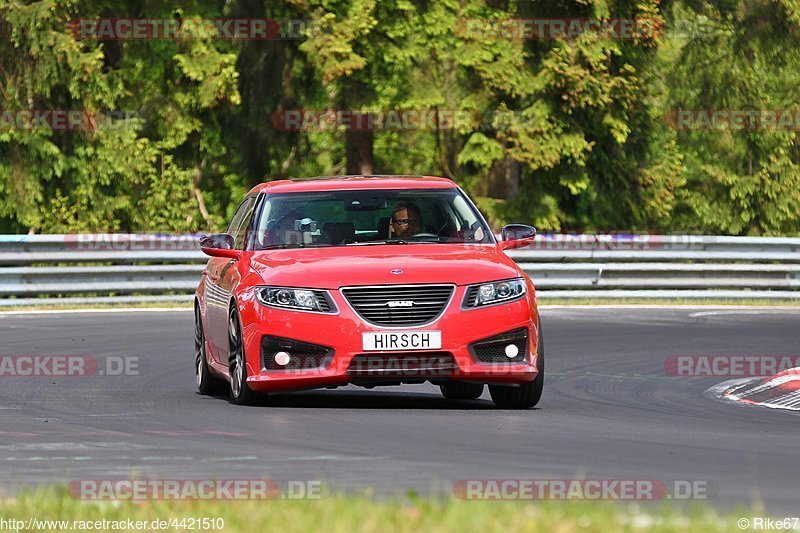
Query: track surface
<point x="608" y="411"/>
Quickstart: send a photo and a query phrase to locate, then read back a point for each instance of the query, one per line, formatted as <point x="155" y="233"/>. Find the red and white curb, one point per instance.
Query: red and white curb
<point x="781" y="391"/>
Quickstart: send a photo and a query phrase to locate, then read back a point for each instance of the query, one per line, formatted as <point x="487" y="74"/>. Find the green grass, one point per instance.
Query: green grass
<point x="347" y="513"/>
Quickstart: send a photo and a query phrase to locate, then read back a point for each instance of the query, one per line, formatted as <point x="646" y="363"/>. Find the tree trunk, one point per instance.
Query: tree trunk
<point x="504" y="178"/>
<point x="358" y="151"/>
<point x="198" y="194"/>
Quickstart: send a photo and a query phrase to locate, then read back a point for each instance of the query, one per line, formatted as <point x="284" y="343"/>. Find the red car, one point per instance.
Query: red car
<point x="369" y="280"/>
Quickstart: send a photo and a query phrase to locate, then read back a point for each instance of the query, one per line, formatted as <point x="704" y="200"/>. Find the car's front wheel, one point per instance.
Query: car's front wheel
<point x="461" y="391"/>
<point x="241" y="393"/>
<point x="526" y="395"/>
<point x="206" y="383"/>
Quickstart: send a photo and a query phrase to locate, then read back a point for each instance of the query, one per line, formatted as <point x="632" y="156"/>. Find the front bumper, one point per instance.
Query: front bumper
<point x="341" y="333"/>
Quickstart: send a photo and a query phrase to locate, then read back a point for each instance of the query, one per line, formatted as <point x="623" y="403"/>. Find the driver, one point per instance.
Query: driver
<point x="406" y="220"/>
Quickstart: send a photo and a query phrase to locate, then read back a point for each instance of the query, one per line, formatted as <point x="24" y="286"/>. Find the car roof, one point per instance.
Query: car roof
<point x="353" y="183"/>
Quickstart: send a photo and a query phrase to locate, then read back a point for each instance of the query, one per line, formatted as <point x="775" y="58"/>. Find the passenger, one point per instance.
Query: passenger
<point x="286" y="228"/>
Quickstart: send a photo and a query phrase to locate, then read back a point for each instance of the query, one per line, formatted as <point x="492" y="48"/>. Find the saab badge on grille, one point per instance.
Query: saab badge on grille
<point x="400" y="303"/>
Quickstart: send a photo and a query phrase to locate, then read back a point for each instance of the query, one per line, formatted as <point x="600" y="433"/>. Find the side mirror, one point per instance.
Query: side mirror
<point x="516" y="236"/>
<point x="219" y="245"/>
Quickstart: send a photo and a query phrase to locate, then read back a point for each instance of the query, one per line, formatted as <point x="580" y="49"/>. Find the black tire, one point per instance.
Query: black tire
<point x="526" y="395"/>
<point x="207" y="384"/>
<point x="241" y="393"/>
<point x="461" y="391"/>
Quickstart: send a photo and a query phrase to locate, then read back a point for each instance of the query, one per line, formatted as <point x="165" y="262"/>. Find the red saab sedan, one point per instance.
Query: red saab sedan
<point x="368" y="281"/>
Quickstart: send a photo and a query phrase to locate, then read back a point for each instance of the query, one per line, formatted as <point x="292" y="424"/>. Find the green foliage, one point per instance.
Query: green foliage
<point x="739" y="181"/>
<point x="565" y="133"/>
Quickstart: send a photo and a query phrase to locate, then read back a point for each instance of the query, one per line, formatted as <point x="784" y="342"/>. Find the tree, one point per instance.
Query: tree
<point x="740" y="57"/>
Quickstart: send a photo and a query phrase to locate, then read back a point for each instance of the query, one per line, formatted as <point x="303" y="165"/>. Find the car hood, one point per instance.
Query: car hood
<point x="342" y="266"/>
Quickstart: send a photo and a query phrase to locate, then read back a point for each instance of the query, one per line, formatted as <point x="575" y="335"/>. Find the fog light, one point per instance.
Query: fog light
<point x="512" y="351"/>
<point x="282" y="358"/>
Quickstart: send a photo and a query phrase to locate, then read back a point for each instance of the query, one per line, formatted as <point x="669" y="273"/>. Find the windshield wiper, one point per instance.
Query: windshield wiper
<point x="390" y="241"/>
<point x="370" y="243"/>
<point x="293" y="245"/>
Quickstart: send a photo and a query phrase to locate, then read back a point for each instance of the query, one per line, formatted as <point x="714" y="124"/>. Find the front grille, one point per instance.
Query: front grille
<point x="302" y="355"/>
<point x="389" y="305"/>
<point x="493" y="349"/>
<point x="405" y="365"/>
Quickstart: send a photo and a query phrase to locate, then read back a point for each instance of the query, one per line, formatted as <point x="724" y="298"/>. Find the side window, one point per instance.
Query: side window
<point x="237" y="217"/>
<point x="240" y="224"/>
<point x="263" y="220"/>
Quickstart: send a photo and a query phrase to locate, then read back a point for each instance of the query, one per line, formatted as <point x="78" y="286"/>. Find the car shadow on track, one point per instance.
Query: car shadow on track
<point x="349" y="399"/>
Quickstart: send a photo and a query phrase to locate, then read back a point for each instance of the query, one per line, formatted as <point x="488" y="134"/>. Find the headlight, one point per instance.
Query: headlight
<point x="299" y="299"/>
<point x="494" y="292"/>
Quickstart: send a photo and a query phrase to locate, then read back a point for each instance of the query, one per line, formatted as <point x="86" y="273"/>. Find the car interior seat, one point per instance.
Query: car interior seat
<point x="383" y="228"/>
<point x="338" y="233"/>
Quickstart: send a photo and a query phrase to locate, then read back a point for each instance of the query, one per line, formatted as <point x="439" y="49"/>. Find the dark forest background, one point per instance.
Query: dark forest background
<point x="571" y="133"/>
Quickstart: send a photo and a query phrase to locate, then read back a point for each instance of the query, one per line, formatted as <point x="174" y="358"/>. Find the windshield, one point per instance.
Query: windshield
<point x="368" y="217"/>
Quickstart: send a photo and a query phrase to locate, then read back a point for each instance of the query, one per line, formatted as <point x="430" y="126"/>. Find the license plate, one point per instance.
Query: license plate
<point x="402" y="340"/>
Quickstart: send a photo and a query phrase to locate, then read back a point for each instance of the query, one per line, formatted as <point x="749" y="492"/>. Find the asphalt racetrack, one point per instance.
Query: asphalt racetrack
<point x="609" y="411"/>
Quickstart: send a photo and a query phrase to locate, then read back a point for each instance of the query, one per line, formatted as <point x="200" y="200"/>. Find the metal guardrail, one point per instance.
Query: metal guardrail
<point x="133" y="268"/>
